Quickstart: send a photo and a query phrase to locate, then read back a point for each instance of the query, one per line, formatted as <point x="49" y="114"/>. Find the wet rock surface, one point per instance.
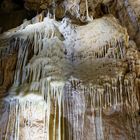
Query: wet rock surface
<point x="75" y="79"/>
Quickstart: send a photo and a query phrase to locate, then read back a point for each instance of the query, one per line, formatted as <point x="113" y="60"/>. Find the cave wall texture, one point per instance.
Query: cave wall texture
<point x="70" y="69"/>
<point x="127" y="11"/>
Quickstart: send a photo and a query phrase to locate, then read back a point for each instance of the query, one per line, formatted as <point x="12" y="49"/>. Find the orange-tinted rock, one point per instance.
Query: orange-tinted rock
<point x="7" y="69"/>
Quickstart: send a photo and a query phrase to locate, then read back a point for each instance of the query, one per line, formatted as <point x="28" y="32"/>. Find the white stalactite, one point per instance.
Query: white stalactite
<point x="47" y="82"/>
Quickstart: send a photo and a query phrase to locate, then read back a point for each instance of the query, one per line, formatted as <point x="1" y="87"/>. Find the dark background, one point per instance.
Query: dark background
<point x="12" y="14"/>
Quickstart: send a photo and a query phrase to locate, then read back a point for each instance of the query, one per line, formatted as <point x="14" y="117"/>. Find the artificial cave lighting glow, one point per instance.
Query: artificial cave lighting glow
<point x="55" y="87"/>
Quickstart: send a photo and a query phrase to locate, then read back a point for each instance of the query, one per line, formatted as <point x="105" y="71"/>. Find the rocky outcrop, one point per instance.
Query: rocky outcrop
<point x="128" y="13"/>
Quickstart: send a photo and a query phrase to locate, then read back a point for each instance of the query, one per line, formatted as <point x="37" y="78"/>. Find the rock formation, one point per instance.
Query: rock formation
<point x="72" y="72"/>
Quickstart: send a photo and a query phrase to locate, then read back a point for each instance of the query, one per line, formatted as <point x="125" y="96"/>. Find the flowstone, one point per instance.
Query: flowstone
<point x="69" y="80"/>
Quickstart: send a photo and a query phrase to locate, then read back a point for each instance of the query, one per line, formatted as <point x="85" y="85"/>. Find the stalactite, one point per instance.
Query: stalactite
<point x="51" y="77"/>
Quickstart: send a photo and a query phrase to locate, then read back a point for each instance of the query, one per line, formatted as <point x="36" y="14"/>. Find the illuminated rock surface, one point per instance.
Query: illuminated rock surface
<point x="60" y="80"/>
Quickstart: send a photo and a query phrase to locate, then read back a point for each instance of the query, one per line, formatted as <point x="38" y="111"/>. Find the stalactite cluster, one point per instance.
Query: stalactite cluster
<point x="68" y="79"/>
